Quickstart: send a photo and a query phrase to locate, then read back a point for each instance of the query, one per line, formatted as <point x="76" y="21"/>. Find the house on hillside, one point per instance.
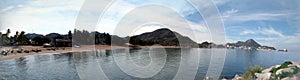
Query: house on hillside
<point x="62" y="43"/>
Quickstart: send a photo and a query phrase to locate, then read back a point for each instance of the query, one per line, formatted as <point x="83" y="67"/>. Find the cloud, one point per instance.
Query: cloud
<point x="7" y="8"/>
<point x="267" y="38"/>
<point x="272" y="37"/>
<point x="282" y="15"/>
<point x="220" y="2"/>
<point x="287" y="41"/>
<point x="232" y="11"/>
<point x="293" y="38"/>
<point x="271" y="31"/>
<point x="148" y="27"/>
<point x="44" y="7"/>
<point x="264" y="31"/>
<point x="41" y="16"/>
<point x="229" y="13"/>
<point x="247" y="32"/>
<point x="136" y="15"/>
<point x="251" y="16"/>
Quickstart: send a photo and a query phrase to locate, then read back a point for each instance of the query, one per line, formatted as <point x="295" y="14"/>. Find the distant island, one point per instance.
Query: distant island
<point x="249" y="44"/>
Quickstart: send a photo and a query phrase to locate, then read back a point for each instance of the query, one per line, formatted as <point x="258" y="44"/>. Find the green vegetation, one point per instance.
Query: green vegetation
<point x="249" y="74"/>
<point x="19" y="39"/>
<point x="283" y="65"/>
<point x="164" y="37"/>
<point x="82" y="37"/>
<point x="40" y="40"/>
<point x="283" y="71"/>
<point x="79" y="36"/>
<point x="88" y="38"/>
<point x="283" y="75"/>
<point x="137" y="41"/>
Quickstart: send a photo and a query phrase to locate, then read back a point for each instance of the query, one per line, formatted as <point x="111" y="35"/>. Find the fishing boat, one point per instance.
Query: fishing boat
<point x="4" y="52"/>
<point x="283" y="50"/>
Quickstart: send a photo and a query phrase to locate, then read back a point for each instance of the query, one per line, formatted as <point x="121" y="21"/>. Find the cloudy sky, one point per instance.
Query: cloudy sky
<point x="270" y="22"/>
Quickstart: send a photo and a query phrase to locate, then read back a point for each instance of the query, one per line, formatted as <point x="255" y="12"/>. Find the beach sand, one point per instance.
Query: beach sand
<point x="64" y="49"/>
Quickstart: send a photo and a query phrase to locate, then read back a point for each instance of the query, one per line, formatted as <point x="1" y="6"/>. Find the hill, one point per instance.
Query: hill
<point x="164" y="37"/>
<point x="248" y="44"/>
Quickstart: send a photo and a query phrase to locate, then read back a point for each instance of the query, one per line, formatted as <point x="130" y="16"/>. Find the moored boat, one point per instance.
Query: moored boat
<point x="283" y="50"/>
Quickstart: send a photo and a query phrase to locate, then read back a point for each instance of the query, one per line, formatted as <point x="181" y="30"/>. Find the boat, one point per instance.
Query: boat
<point x="12" y="51"/>
<point x="36" y="50"/>
<point x="4" y="52"/>
<point x="283" y="50"/>
<point x="26" y="51"/>
<point x="45" y="45"/>
<point x="20" y="51"/>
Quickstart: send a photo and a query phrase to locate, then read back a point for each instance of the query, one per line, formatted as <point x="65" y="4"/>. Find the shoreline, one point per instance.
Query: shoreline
<point x="69" y="49"/>
<point x="63" y="50"/>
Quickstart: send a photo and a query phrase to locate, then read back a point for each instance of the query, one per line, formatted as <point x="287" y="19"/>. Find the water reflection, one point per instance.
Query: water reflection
<point x="39" y="67"/>
<point x="101" y="64"/>
<point x="112" y="70"/>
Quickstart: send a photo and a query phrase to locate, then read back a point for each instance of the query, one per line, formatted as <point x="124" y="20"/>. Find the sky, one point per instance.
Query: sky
<point x="269" y="22"/>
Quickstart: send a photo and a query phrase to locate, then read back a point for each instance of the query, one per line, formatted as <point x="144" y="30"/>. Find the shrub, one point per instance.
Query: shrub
<point x="286" y="74"/>
<point x="249" y="74"/>
<point x="283" y="65"/>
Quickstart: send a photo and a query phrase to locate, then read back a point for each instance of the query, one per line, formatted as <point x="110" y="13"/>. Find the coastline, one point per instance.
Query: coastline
<point x="64" y="50"/>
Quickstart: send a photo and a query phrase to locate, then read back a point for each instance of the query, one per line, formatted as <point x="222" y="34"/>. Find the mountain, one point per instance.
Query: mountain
<point x="95" y="33"/>
<point x="248" y="44"/>
<point x="164" y="37"/>
<point x="32" y="35"/>
<point x="252" y="43"/>
<point x="210" y="45"/>
<point x="52" y="35"/>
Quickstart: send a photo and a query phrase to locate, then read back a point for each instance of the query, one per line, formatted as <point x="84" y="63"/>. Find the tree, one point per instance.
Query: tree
<point x="37" y="41"/>
<point x="5" y="38"/>
<point x="135" y="40"/>
<point x="22" y="39"/>
<point x="16" y="36"/>
<point x="8" y="32"/>
<point x="1" y="39"/>
<point x="58" y="37"/>
<point x="107" y="38"/>
<point x="70" y="34"/>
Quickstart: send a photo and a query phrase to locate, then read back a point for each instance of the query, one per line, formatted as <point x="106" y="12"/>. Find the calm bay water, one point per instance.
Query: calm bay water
<point x="102" y="64"/>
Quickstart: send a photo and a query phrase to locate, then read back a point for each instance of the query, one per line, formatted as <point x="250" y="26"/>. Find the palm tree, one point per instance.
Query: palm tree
<point x="22" y="38"/>
<point x="8" y="32"/>
<point x="70" y="35"/>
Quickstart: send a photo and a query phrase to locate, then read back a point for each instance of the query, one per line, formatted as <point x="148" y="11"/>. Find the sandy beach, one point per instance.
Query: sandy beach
<point x="63" y="49"/>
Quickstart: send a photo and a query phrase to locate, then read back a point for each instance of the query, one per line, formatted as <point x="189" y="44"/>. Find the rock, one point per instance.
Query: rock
<point x="207" y="78"/>
<point x="277" y="66"/>
<point x="223" y="79"/>
<point x="237" y="77"/>
<point x="285" y="70"/>
<point x="263" y="76"/>
<point x="291" y="78"/>
<point x="297" y="64"/>
<point x="269" y="69"/>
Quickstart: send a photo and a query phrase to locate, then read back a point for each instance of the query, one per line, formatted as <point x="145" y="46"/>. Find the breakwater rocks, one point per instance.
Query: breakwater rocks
<point x="286" y="71"/>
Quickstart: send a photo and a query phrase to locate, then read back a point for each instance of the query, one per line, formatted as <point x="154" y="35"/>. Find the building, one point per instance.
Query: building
<point x="63" y="43"/>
